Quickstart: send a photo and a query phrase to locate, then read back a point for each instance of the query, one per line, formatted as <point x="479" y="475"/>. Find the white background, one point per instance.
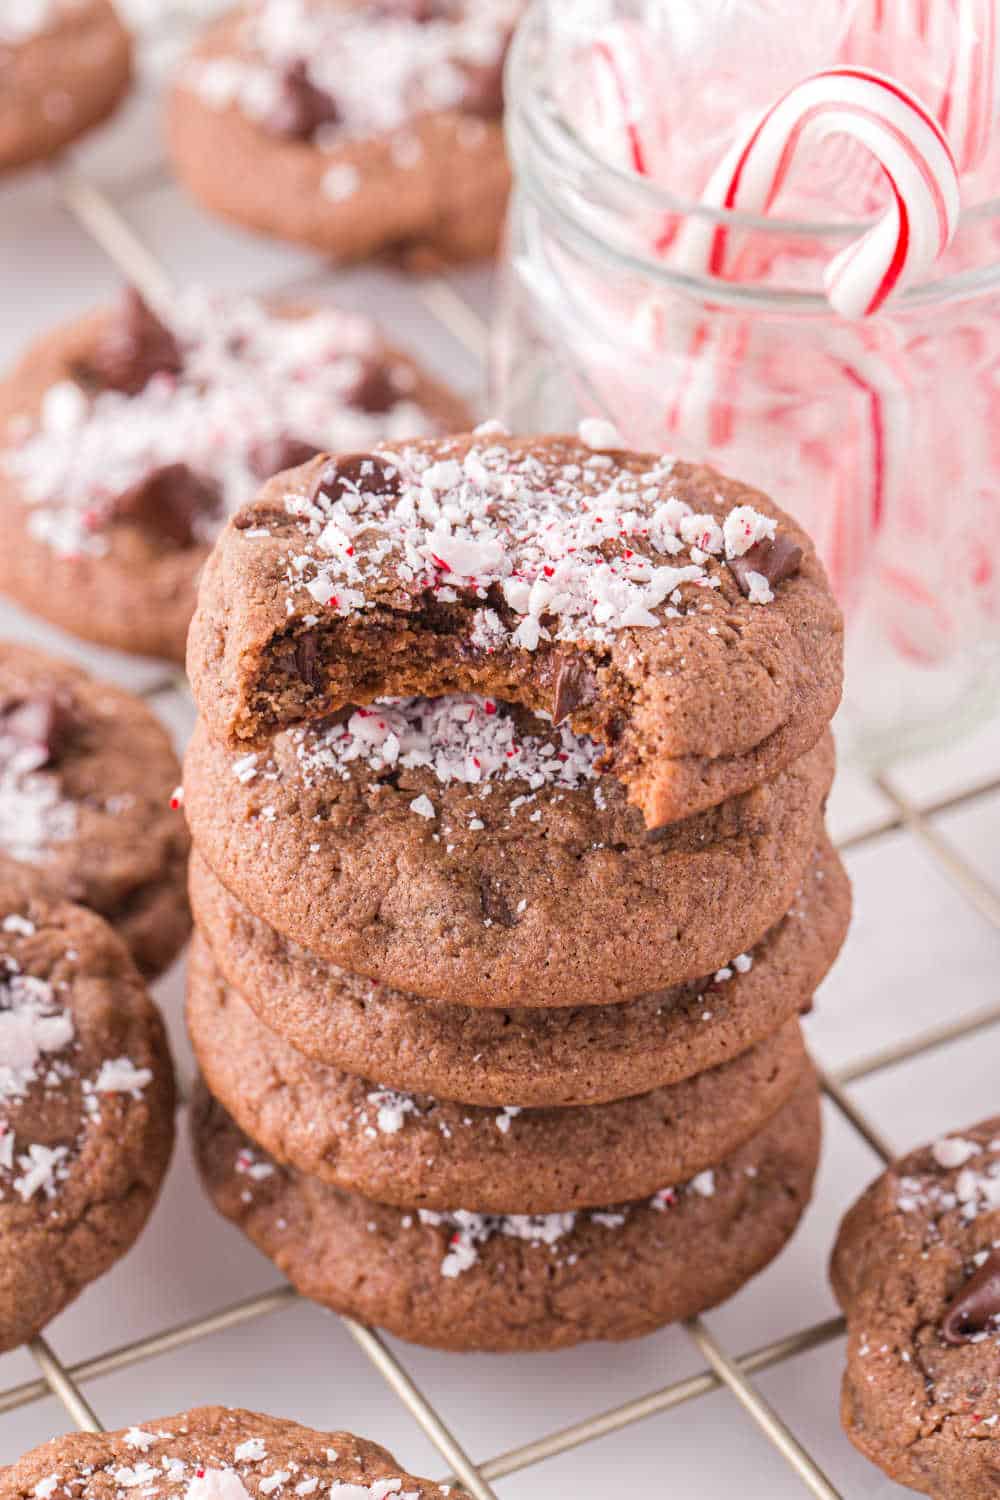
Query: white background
<point x="919" y="954"/>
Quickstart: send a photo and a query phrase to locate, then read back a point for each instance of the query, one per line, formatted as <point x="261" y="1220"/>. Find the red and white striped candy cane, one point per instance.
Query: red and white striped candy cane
<point x="969" y="109"/>
<point x="623" y="101"/>
<point x="905" y="139"/>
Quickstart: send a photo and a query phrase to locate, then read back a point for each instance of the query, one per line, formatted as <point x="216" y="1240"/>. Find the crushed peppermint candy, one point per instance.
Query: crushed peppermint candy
<point x="975" y="1188"/>
<point x="38" y="1043"/>
<point x="470" y="1231"/>
<point x="576" y="548"/>
<point x="34" y="815"/>
<point x="421" y="67"/>
<point x="392" y="1107"/>
<point x="250" y="380"/>
<point x="463" y="739"/>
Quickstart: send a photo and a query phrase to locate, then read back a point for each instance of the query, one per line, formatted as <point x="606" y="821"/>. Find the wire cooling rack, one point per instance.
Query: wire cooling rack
<point x="99" y="213"/>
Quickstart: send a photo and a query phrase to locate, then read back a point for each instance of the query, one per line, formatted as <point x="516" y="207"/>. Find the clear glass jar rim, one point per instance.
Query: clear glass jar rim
<point x="528" y="96"/>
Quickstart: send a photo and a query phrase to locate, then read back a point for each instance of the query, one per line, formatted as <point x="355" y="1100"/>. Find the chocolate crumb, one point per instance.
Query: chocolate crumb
<point x="46" y="722"/>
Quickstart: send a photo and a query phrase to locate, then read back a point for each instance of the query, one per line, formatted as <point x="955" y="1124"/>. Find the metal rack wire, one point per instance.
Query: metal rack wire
<point x="97" y="213"/>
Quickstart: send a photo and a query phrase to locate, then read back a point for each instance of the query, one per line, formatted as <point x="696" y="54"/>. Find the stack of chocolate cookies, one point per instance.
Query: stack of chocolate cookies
<point x="511" y="883"/>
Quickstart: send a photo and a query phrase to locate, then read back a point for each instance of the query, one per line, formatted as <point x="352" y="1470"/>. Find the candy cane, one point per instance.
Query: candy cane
<point x="903" y="136"/>
<point x="969" y="108"/>
<point x="623" y="103"/>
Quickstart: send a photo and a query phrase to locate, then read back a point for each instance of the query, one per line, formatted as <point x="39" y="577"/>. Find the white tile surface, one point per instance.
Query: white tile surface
<point x="917" y="954"/>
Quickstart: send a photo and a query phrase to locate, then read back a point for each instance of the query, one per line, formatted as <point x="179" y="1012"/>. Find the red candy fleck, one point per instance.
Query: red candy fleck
<point x="490" y="706"/>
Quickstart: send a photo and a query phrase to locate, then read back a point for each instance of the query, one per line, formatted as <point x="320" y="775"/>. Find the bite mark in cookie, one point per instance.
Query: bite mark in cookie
<point x="592" y="586"/>
<point x="476" y="856"/>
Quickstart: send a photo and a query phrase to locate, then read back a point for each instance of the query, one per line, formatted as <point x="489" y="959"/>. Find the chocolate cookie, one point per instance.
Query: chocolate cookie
<point x="464" y="1281"/>
<point x="86" y="777"/>
<point x="86" y="1105"/>
<point x="415" y="1150"/>
<point x="916" y="1269"/>
<point x="210" y="1453"/>
<point x="64" y="66"/>
<point x="457" y="850"/>
<point x="572" y="1055"/>
<point x="351" y="127"/>
<point x="677" y="617"/>
<point x="125" y="443"/>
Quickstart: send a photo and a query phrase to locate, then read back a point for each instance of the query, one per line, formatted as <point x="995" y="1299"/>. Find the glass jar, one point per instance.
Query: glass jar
<point x="882" y="436"/>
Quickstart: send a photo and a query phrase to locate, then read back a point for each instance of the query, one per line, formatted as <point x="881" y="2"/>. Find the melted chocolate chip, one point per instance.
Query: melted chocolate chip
<point x="359" y="473"/>
<point x="301" y="108"/>
<point x="483" y="92"/>
<point x="775" y="560"/>
<point x="576" y="687"/>
<point x="167" y="502"/>
<point x="45" y="722"/>
<point x="273" y="455"/>
<point x="133" y="347"/>
<point x="976" y="1309"/>
<point x="494" y="904"/>
<point x="373" y="391"/>
<point x="307" y="659"/>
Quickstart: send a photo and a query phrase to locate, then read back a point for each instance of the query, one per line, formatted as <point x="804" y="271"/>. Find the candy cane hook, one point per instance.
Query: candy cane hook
<point x="902" y="135"/>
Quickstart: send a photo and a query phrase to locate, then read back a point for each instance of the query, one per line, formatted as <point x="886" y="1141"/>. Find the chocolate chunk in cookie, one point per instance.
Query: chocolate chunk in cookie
<point x="271" y="456"/>
<point x="766" y="564"/>
<point x="111" y="494"/>
<point x="134" y="346"/>
<point x="86" y="774"/>
<point x="168" y="503"/>
<point x="42" y="723"/>
<point x="300" y="108"/>
<point x="597" y="586"/>
<point x="917" y="1271"/>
